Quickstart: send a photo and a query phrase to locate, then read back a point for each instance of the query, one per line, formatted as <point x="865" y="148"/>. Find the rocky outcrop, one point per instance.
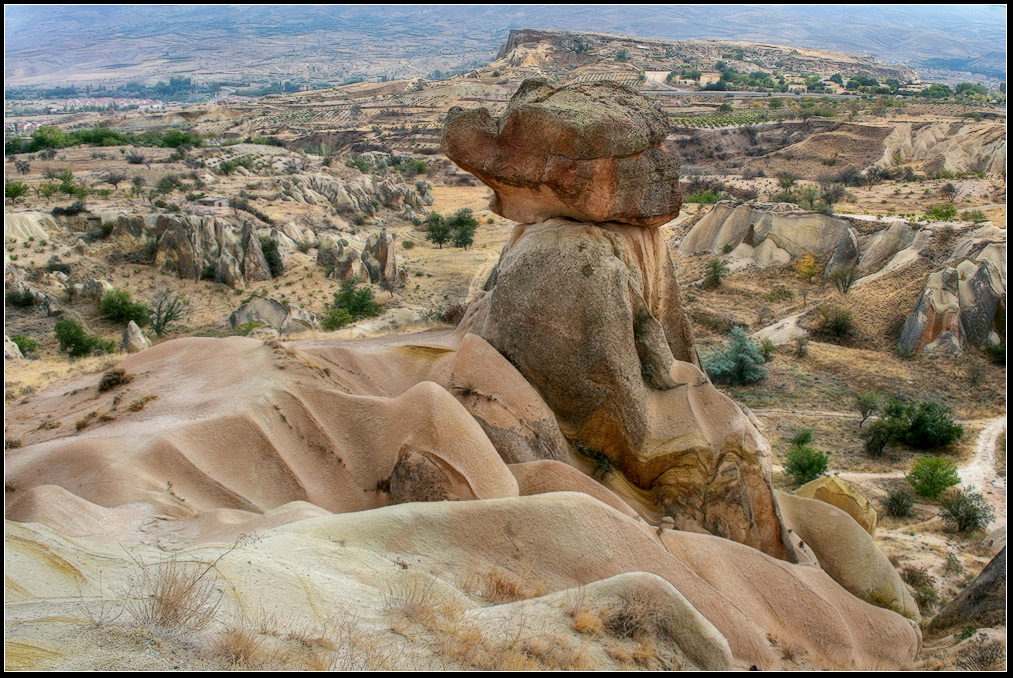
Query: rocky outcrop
<point x="270" y="313"/>
<point x="134" y="340"/>
<point x="358" y="195"/>
<point x="592" y="152"/>
<point x="199" y="247"/>
<point x="775" y="233"/>
<point x="953" y="146"/>
<point x="962" y="304"/>
<point x="379" y="260"/>
<point x="843" y="495"/>
<point x="591" y="314"/>
<point x="376" y="262"/>
<point x="339" y="260"/>
<point x="25" y="225"/>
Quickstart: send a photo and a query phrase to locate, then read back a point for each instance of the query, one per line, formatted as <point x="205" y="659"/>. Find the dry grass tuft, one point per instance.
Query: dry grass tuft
<point x="635" y="616"/>
<point x="588" y="623"/>
<point x="239" y="645"/>
<point x="141" y="403"/>
<point x="498" y="585"/>
<point x="175" y="594"/>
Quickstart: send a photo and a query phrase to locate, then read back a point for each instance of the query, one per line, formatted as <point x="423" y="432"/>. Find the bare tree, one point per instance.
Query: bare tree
<point x="167" y="307"/>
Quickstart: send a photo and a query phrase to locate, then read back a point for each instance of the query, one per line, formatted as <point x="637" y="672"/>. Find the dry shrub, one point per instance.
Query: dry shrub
<point x="646" y="653"/>
<point x="588" y="622"/>
<point x="141" y="403"/>
<point x="982" y="654"/>
<point x="497" y="585"/>
<point x="175" y="594"/>
<point x="113" y="378"/>
<point x="239" y="645"/>
<point x="635" y="616"/>
<point x="414" y="596"/>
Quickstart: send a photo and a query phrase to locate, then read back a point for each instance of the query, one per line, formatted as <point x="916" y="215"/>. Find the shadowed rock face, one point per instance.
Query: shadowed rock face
<point x="591" y="152"/>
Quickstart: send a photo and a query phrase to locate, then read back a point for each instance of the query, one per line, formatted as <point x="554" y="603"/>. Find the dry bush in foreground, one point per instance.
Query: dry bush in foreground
<point x="982" y="655"/>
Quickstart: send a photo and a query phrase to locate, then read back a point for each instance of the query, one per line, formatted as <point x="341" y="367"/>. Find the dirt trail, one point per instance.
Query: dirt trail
<point x="979" y="472"/>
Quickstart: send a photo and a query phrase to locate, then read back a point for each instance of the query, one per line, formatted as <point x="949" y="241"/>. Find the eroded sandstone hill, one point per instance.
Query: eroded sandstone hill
<point x="563" y="436"/>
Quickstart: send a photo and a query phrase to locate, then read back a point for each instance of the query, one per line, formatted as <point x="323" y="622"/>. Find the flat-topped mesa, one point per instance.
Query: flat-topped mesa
<point x="592" y="152"/>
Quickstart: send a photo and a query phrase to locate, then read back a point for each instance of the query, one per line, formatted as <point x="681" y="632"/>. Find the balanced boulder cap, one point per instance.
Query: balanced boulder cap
<point x="593" y="152"/>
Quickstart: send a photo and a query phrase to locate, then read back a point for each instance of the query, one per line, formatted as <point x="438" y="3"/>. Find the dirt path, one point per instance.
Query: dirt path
<point x="979" y="472"/>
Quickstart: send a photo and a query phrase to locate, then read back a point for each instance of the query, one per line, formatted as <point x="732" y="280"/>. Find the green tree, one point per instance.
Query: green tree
<point x="867" y="404"/>
<point x="463" y="225"/>
<point x="930" y="476"/>
<point x="437" y="229"/>
<point x="740" y="363"/>
<point x="931" y="425"/>
<point x="15" y="190"/>
<point x="725" y="108"/>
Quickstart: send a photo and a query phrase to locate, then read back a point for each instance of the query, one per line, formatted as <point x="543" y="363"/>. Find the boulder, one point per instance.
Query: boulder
<point x="134" y="340"/>
<point x="96" y="289"/>
<point x="81" y="247"/>
<point x="270" y="313"/>
<point x="842" y="494"/>
<point x="588" y="151"/>
<point x="879" y="248"/>
<point x="11" y="350"/>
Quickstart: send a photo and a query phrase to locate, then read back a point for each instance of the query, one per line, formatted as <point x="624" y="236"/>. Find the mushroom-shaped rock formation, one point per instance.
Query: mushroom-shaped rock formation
<point x="590" y="313"/>
<point x="591" y="152"/>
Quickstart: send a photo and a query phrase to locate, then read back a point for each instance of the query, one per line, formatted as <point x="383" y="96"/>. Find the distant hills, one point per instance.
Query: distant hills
<point x="47" y="45"/>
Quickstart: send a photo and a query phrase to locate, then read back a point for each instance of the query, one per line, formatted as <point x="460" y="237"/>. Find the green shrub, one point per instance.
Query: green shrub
<point x="117" y="305"/>
<point x="899" y="503"/>
<point x="997" y="352"/>
<point x="270" y="248"/>
<point x="805" y="464"/>
<point x="247" y="327"/>
<point x="835" y="323"/>
<point x="881" y="433"/>
<point x="844" y="278"/>
<point x="707" y="197"/>
<point x="335" y="318"/>
<point x="944" y="212"/>
<point x="930" y="476"/>
<point x="350" y="304"/>
<point x="930" y="425"/>
<point x="27" y="345"/>
<point x="740" y="363"/>
<point x="968" y="510"/>
<point x="717" y="270"/>
<point x="76" y="342"/>
<point x="802" y="437"/>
